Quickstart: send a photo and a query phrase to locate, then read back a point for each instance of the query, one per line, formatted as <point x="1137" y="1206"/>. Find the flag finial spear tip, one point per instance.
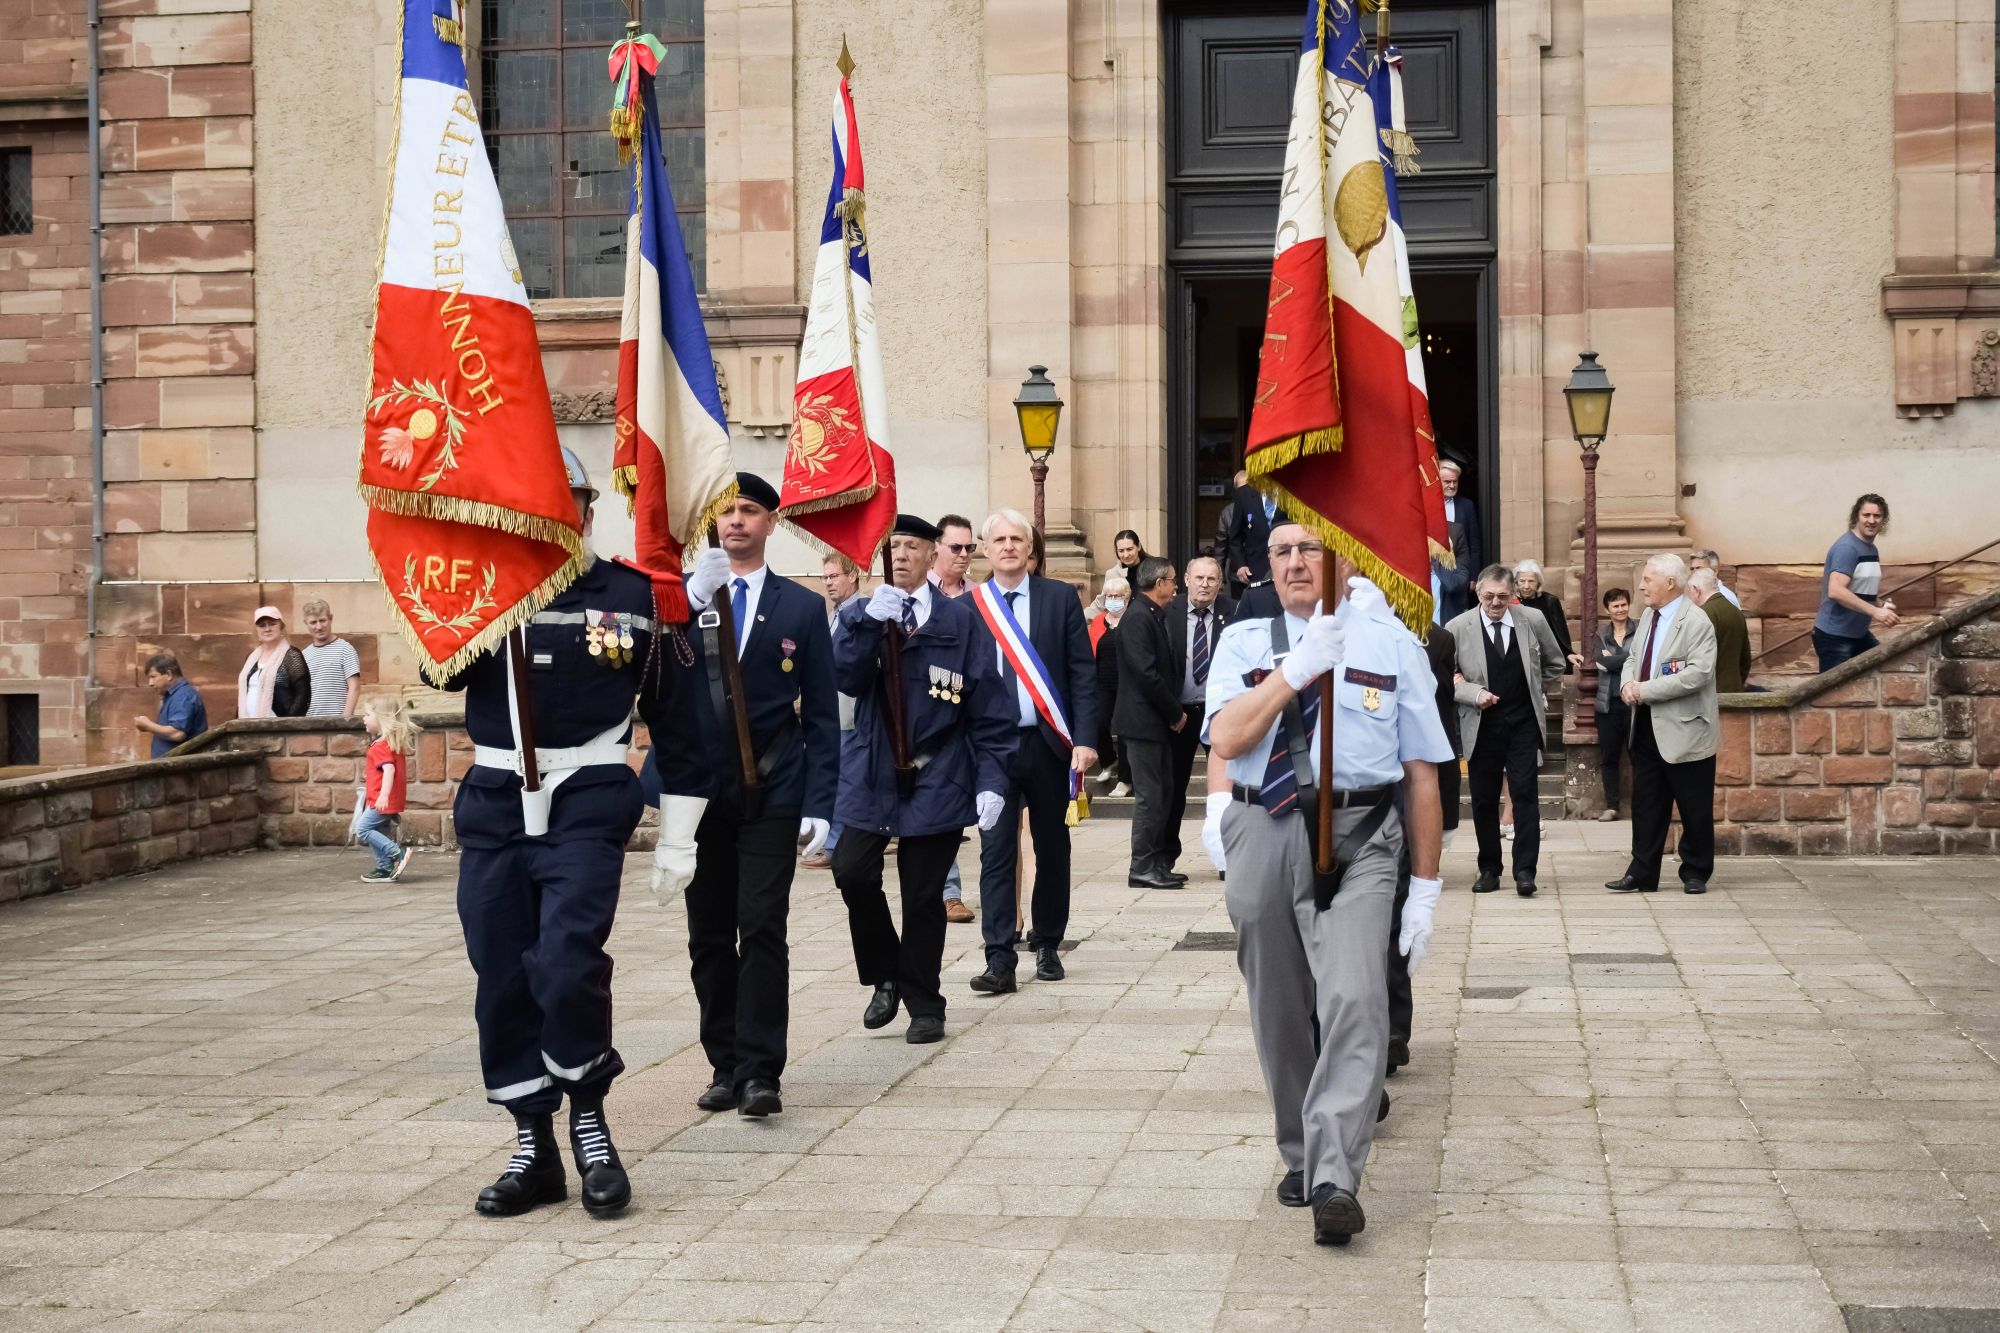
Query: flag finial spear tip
<point x="846" y="62"/>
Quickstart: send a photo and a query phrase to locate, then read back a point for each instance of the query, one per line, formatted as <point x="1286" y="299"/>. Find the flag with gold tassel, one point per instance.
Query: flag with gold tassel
<point x="470" y="521"/>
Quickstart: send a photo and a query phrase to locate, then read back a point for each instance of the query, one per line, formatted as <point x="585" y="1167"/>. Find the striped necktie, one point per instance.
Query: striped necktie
<point x="1280" y="791"/>
<point x="1200" y="649"/>
<point x="909" y="615"/>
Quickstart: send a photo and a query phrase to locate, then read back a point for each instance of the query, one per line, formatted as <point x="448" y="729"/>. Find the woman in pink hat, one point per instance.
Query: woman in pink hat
<point x="274" y="681"/>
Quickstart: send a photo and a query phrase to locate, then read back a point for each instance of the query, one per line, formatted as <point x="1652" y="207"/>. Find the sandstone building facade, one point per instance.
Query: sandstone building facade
<point x="1779" y="235"/>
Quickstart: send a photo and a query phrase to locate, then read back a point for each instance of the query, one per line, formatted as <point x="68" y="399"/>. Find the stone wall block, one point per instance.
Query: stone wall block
<point x="1812" y="731"/>
<point x="306" y="745"/>
<point x="1771" y="733"/>
<point x="1969" y="676"/>
<point x="315" y="800"/>
<point x="1732" y="755"/>
<point x="1903" y="691"/>
<point x="1930" y="753"/>
<point x="287" y="770"/>
<point x="1861" y="692"/>
<point x="1850" y="732"/>
<point x="1845" y="770"/>
<point x="1728" y="840"/>
<point x="1863" y="821"/>
<point x="1824" y="840"/>
<point x="1911" y="842"/>
<point x="1752" y="805"/>
<point x="1770" y="840"/>
<point x="1957" y="716"/>
<point x="1970" y="784"/>
<point x="1968" y="842"/>
<point x="1976" y="640"/>
<point x="343" y="771"/>
<point x="347" y="744"/>
<point x="1881" y="732"/>
<point x="1951" y="814"/>
<point x="1814" y="804"/>
<point x="1786" y="770"/>
<point x="1918" y="723"/>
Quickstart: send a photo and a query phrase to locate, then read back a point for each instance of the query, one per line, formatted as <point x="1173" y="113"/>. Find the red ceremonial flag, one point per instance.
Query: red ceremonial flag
<point x="1332" y="430"/>
<point x="470" y="525"/>
<point x="839" y="485"/>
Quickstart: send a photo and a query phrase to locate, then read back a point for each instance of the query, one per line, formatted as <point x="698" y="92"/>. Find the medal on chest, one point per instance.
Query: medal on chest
<point x="787" y="647"/>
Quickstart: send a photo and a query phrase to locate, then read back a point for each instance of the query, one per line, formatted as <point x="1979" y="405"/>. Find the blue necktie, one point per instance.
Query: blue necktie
<point x="1280" y="791"/>
<point x="909" y="615"/>
<point x="1200" y="650"/>
<point x="739" y="606"/>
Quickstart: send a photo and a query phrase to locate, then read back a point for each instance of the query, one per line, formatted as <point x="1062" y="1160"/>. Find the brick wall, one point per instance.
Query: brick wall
<point x="59" y="831"/>
<point x="45" y="373"/>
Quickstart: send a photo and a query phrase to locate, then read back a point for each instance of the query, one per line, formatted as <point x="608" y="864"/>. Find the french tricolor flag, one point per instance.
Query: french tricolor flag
<point x="839" y="486"/>
<point x="672" y="454"/>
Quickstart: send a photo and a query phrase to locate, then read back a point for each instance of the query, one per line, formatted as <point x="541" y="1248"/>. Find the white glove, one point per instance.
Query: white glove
<point x="989" y="806"/>
<point x="813" y="833"/>
<point x="1317" y="652"/>
<point x="1418" y="909"/>
<point x="1211" y="828"/>
<point x="711" y="571"/>
<point x="886" y="605"/>
<point x="673" y="855"/>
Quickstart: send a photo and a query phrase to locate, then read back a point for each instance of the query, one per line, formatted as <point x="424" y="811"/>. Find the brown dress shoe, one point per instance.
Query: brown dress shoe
<point x="957" y="912"/>
<point x="817" y="861"/>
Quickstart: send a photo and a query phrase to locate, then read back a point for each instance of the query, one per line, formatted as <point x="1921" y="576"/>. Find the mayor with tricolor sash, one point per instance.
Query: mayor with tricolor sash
<point x="1046" y="664"/>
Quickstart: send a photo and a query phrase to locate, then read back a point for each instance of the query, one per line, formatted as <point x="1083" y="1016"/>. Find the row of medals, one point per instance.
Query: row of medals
<point x="609" y="635"/>
<point x="947" y="685"/>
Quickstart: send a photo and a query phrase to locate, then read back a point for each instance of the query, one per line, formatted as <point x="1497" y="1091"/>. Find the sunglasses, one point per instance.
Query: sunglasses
<point x="961" y="548"/>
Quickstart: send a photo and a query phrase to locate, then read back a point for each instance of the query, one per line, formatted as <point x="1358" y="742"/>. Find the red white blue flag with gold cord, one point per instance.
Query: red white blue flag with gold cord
<point x="471" y="525"/>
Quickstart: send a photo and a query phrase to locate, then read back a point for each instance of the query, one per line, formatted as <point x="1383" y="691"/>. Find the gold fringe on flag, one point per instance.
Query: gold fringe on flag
<point x="1412" y="602"/>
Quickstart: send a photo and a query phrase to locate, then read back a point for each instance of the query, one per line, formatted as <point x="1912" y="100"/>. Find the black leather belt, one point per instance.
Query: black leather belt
<point x="1365" y="799"/>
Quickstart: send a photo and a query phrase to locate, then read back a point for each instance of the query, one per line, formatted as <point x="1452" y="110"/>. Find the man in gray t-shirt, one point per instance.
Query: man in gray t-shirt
<point x="335" y="666"/>
<point x="1851" y="604"/>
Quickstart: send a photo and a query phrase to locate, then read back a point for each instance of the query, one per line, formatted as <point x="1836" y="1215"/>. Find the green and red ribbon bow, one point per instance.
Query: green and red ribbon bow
<point x="628" y="59"/>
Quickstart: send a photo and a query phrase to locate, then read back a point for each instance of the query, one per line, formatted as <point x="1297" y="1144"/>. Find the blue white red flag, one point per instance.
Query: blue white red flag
<point x="839" y="485"/>
<point x="470" y="523"/>
<point x="672" y="455"/>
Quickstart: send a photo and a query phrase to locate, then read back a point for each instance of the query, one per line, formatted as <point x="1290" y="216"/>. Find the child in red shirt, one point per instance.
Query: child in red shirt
<point x="393" y="734"/>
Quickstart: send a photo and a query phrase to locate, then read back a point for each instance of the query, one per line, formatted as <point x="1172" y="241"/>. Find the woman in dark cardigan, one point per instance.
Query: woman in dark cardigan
<point x="1614" y="718"/>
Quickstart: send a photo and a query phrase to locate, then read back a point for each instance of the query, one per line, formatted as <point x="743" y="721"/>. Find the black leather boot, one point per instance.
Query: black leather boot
<point x="534" y="1174"/>
<point x="601" y="1176"/>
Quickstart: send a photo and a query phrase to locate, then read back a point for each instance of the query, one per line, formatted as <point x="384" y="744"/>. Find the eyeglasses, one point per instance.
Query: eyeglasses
<point x="1310" y="550"/>
<point x="961" y="548"/>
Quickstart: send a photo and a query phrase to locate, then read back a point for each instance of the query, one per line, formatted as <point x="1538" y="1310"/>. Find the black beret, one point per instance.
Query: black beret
<point x="752" y="487"/>
<point x="909" y="525"/>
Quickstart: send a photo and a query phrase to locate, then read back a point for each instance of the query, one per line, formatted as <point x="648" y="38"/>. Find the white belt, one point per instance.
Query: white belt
<point x="549" y="762"/>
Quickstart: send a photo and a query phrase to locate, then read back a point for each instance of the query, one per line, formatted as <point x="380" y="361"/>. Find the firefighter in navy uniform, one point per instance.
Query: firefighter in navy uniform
<point x="960" y="720"/>
<point x="537" y="910"/>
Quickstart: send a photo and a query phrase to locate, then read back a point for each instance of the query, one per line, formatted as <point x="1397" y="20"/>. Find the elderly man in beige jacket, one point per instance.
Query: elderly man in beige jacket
<point x="1669" y="683"/>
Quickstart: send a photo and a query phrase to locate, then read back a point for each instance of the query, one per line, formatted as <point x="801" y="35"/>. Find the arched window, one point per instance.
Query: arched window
<point x="545" y="103"/>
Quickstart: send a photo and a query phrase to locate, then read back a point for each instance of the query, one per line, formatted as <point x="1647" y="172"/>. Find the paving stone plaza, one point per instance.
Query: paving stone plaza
<point x="243" y="1093"/>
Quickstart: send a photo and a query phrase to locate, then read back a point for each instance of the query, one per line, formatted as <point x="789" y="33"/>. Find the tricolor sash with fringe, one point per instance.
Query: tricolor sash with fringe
<point x="470" y="526"/>
<point x="1332" y="433"/>
<point x="672" y="457"/>
<point x="990" y="600"/>
<point x="839" y="484"/>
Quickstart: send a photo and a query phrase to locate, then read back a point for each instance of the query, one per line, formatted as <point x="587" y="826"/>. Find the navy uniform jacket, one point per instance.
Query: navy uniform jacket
<point x="1056" y="629"/>
<point x="796" y="709"/>
<point x="577" y="697"/>
<point x="1258" y="602"/>
<point x="1250" y="535"/>
<point x="971" y="742"/>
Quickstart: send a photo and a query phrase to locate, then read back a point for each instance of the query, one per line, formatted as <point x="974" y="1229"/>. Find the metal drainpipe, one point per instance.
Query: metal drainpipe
<point x="95" y="169"/>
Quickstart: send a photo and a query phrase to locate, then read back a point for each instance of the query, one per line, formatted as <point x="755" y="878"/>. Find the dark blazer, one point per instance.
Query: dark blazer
<point x="1558" y="621"/>
<point x="1062" y="640"/>
<point x="969" y="744"/>
<point x="797" y="709"/>
<point x="1442" y="650"/>
<point x="1107" y="688"/>
<point x="1250" y="535"/>
<point x="1149" y="693"/>
<point x="1176" y="617"/>
<point x="1259" y="602"/>
<point x="1466" y="548"/>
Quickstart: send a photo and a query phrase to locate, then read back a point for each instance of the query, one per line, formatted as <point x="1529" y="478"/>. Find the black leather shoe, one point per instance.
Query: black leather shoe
<point x="601" y="1176"/>
<point x="1487" y="882"/>
<point x="1292" y="1189"/>
<point x="882" y="1008"/>
<point x="1382" y="1109"/>
<point x="1337" y="1215"/>
<point x="991" y="982"/>
<point x="760" y="1098"/>
<point x="924" y="1029"/>
<point x="534" y="1174"/>
<point x="1695" y="886"/>
<point x="1176" y="876"/>
<point x="1049" y="965"/>
<point x="1524" y="885"/>
<point x="1399" y="1053"/>
<point x="717" y="1096"/>
<point x="1626" y="884"/>
<point x="1152" y="882"/>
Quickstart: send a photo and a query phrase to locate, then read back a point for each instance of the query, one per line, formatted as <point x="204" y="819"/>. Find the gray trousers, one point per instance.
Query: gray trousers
<point x="1300" y="962"/>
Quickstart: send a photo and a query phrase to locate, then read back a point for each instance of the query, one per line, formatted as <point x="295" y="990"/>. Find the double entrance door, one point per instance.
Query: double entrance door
<point x="1232" y="68"/>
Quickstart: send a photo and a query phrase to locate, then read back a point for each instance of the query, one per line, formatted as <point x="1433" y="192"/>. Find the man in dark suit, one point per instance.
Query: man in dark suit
<point x="738" y="856"/>
<point x="1249" y="552"/>
<point x="1149" y="715"/>
<point x="1461" y="516"/>
<point x="1039" y="623"/>
<point x="1194" y="621"/>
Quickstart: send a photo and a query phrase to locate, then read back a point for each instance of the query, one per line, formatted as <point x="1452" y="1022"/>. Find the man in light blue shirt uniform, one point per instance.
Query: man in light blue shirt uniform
<point x="1263" y="693"/>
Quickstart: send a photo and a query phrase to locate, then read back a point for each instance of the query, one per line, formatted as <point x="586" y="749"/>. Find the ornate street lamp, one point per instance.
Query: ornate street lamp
<point x="1040" y="411"/>
<point x="1588" y="394"/>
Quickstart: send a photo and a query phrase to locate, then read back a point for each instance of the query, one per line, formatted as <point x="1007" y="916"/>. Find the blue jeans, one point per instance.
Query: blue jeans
<point x="386" y="851"/>
<point x="1833" y="649"/>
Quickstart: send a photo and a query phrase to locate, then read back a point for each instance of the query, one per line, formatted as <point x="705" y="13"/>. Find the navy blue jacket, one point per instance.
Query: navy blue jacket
<point x="1249" y="536"/>
<point x="970" y="743"/>
<point x="793" y="707"/>
<point x="577" y="697"/>
<point x="1062" y="640"/>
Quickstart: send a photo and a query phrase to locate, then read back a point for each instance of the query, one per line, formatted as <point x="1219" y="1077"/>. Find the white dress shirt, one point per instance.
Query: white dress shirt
<point x="1024" y="702"/>
<point x="1506" y="623"/>
<point x="1193" y="692"/>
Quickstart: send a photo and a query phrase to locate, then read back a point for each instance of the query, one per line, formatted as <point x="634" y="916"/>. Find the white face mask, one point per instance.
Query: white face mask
<point x="1114" y="604"/>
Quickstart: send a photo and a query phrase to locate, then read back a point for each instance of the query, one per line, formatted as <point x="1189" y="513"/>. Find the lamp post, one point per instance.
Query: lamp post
<point x="1040" y="411"/>
<point x="1588" y="394"/>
